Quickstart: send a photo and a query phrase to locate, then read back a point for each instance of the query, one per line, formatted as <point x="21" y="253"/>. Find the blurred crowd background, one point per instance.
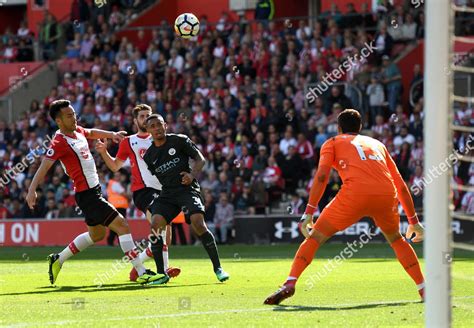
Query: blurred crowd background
<point x="238" y="91"/>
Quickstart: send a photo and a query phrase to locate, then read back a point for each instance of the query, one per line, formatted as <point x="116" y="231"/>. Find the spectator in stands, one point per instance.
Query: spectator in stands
<point x="392" y="81"/>
<point x="287" y="142"/>
<point x="403" y="137"/>
<point x="224" y="185"/>
<point x="409" y="28"/>
<point x="244" y="202"/>
<point x="383" y="42"/>
<point x="4" y="212"/>
<point x="210" y="182"/>
<point x="379" y="126"/>
<point x="336" y="97"/>
<point x="376" y="96"/>
<point x="10" y="52"/>
<point x="50" y="32"/>
<point x="420" y="30"/>
<point x="52" y="212"/>
<point x="223" y="217"/>
<point x="292" y="168"/>
<point x="297" y="205"/>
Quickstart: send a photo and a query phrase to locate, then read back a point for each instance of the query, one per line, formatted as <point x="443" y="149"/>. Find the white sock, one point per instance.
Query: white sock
<point x="421" y="286"/>
<point x="165" y="250"/>
<point x="79" y="244"/>
<point x="165" y="257"/>
<point x="146" y="254"/>
<point x="291" y="278"/>
<point x="128" y="247"/>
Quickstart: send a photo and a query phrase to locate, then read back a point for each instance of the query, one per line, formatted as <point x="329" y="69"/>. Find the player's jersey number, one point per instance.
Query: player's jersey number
<point x="375" y="155"/>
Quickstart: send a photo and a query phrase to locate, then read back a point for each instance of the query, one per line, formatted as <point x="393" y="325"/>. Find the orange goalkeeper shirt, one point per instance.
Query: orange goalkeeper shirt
<point x="363" y="163"/>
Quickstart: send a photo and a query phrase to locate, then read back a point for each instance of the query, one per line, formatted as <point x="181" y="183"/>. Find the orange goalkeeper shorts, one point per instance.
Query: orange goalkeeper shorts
<point x="348" y="208"/>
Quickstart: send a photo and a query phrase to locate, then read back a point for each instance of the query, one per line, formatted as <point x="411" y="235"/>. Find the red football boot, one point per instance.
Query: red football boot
<point x="286" y="291"/>
<point x="173" y="272"/>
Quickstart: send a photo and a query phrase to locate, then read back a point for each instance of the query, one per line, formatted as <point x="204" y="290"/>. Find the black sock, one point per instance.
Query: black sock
<point x="157" y="250"/>
<point x="209" y="244"/>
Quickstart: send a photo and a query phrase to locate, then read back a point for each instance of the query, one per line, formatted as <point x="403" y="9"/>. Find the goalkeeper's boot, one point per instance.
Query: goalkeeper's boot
<point x="286" y="291"/>
<point x="173" y="272"/>
<point x="222" y="275"/>
<point x="54" y="267"/>
<point x="421" y="291"/>
<point x="151" y="278"/>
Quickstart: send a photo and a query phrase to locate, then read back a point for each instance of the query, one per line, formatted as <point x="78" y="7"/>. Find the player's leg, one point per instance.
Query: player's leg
<point x="336" y="216"/>
<point x="144" y="199"/>
<point x="80" y="243"/>
<point x="386" y="217"/>
<point x="158" y="222"/>
<point x="209" y="243"/>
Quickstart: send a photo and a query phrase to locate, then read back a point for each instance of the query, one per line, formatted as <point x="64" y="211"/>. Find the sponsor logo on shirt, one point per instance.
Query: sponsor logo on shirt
<point x="84" y="152"/>
<point x="167" y="166"/>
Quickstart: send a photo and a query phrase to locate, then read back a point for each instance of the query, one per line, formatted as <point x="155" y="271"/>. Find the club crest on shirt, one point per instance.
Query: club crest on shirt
<point x="141" y="152"/>
<point x="50" y="152"/>
<point x="172" y="151"/>
<point x="84" y="152"/>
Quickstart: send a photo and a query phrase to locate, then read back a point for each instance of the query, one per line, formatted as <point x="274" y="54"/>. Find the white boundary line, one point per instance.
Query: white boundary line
<point x="186" y="314"/>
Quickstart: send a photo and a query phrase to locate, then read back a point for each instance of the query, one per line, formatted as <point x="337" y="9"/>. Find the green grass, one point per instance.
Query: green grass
<point x="371" y="289"/>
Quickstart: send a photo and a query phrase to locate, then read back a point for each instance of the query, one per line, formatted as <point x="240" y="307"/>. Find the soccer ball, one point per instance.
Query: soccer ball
<point x="186" y="25"/>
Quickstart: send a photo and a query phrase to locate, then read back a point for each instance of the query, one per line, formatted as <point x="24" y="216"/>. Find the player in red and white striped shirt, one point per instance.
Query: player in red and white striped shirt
<point x="71" y="148"/>
<point x="145" y="186"/>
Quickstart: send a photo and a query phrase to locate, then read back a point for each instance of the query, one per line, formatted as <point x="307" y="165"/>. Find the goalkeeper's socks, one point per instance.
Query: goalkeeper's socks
<point x="209" y="243"/>
<point x="128" y="247"/>
<point x="408" y="259"/>
<point x="79" y="244"/>
<point x="303" y="258"/>
<point x="157" y="250"/>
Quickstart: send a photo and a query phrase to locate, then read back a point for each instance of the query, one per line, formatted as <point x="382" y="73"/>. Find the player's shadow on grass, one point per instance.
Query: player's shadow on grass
<point x="94" y="288"/>
<point x="298" y="308"/>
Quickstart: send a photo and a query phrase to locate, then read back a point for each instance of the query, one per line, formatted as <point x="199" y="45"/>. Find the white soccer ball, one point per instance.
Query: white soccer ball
<point x="186" y="25"/>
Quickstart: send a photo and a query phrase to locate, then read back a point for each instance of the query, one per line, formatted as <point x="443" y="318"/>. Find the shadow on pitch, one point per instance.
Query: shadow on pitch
<point x="298" y="308"/>
<point x="94" y="288"/>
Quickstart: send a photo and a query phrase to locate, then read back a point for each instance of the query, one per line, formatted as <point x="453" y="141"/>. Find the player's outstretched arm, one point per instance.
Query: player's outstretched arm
<point x="39" y="176"/>
<point x="406" y="200"/>
<point x="102" y="134"/>
<point x="113" y="163"/>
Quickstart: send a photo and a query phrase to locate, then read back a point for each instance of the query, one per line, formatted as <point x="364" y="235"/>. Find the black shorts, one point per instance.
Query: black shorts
<point x="96" y="209"/>
<point x="170" y="204"/>
<point x="143" y="198"/>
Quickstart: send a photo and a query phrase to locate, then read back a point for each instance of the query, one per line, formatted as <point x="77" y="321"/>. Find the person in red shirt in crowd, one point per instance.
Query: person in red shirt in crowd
<point x="4" y="212"/>
<point x="258" y="113"/>
<point x="304" y="147"/>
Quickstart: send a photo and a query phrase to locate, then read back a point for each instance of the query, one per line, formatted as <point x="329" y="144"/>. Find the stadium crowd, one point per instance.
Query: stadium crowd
<point x="239" y="93"/>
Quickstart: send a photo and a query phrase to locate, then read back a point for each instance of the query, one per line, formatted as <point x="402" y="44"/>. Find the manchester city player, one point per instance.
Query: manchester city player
<point x="168" y="159"/>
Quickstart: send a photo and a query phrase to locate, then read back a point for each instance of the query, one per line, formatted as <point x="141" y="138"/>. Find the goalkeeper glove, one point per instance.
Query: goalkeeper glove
<point x="306" y="221"/>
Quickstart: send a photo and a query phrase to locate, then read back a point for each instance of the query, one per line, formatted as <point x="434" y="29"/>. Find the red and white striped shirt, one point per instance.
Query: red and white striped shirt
<point x="75" y="157"/>
<point x="135" y="147"/>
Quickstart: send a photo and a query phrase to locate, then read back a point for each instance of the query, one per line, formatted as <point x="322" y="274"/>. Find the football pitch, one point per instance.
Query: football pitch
<point x="371" y="289"/>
